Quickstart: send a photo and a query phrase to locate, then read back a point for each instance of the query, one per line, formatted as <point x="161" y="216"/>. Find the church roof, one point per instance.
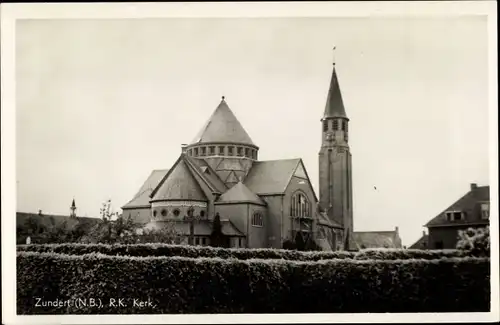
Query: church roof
<point x="334" y="104"/>
<point x="240" y="193"/>
<point x="376" y="239"/>
<point x="208" y="174"/>
<point x="470" y="203"/>
<point x="323" y="219"/>
<point x="271" y="176"/>
<point x="223" y="126"/>
<point x="141" y="198"/>
<point x="179" y="184"/>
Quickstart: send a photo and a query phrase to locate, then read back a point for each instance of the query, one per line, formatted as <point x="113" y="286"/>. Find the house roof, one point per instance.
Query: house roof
<point x="239" y="193"/>
<point x="271" y="176"/>
<point x="223" y="126"/>
<point x="470" y="203"/>
<point x="201" y="227"/>
<point x="141" y="198"/>
<point x="376" y="239"/>
<point x="422" y="243"/>
<point x="179" y="184"/>
<point x="334" y="104"/>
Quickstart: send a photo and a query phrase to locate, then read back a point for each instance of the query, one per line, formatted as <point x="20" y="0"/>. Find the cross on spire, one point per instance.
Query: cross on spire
<point x="334" y="47"/>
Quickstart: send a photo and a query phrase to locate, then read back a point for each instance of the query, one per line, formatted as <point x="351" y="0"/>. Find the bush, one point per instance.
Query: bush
<point x="475" y="241"/>
<point x="213" y="285"/>
<point x="238" y="253"/>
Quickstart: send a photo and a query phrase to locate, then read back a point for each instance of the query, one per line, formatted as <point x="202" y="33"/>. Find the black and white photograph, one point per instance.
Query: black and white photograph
<point x="248" y="161"/>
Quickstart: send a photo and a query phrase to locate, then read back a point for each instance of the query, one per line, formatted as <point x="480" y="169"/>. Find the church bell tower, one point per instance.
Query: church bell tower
<point x="335" y="170"/>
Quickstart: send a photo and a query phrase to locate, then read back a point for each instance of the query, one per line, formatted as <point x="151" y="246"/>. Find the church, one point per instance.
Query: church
<point x="261" y="204"/>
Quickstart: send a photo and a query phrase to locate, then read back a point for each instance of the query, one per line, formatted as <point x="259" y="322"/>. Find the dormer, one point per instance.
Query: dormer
<point x="455" y="215"/>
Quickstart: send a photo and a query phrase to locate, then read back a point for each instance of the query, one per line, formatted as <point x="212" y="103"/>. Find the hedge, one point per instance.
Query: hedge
<point x="214" y="285"/>
<point x="242" y="254"/>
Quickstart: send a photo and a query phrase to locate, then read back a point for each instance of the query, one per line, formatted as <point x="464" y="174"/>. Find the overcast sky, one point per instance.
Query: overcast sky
<point x="100" y="103"/>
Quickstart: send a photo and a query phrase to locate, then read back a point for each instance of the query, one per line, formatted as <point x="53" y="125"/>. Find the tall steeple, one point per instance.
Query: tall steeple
<point x="335" y="169"/>
<point x="334" y="104"/>
<point x="73" y="209"/>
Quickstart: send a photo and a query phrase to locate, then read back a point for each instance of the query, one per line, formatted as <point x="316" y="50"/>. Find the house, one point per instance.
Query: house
<point x="422" y="242"/>
<point x="472" y="210"/>
<point x="376" y="239"/>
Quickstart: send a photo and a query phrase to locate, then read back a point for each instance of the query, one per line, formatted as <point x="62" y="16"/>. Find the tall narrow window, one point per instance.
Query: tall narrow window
<point x="203" y="150"/>
<point x="196" y="152"/>
<point x="300" y="206"/>
<point x="239" y="150"/>
<point x="325" y="125"/>
<point x="485" y="211"/>
<point x="230" y="150"/>
<point x="221" y="150"/>
<point x="246" y="152"/>
<point x="335" y="124"/>
<point x="212" y="150"/>
<point x="344" y="125"/>
<point x="257" y="219"/>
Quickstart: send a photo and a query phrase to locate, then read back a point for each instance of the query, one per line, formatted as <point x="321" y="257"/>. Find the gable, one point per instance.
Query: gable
<point x="300" y="172"/>
<point x="179" y="184"/>
<point x="240" y="193"/>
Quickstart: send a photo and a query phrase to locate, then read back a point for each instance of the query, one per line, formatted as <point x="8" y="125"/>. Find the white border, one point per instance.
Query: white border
<point x="11" y="12"/>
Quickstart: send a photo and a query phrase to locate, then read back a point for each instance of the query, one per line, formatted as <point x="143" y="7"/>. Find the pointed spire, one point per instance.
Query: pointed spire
<point x="334" y="104"/>
<point x="73" y="204"/>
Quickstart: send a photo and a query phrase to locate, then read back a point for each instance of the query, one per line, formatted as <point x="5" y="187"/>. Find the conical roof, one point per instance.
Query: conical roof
<point x="223" y="126"/>
<point x="240" y="193"/>
<point x="179" y="184"/>
<point x="334" y="104"/>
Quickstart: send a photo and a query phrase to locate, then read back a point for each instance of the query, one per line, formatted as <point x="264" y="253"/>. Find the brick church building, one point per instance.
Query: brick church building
<point x="261" y="204"/>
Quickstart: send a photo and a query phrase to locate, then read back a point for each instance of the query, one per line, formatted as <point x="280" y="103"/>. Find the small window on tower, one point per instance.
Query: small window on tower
<point x="164" y="213"/>
<point x="246" y="152"/>
<point x="221" y="150"/>
<point x="195" y="152"/>
<point x="230" y="151"/>
<point x="239" y="151"/>
<point x="344" y="125"/>
<point x="203" y="149"/>
<point x="212" y="150"/>
<point x="325" y="125"/>
<point x="335" y="124"/>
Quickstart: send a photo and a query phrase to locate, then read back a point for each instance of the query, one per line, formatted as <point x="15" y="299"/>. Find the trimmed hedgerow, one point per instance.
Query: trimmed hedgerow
<point x="214" y="285"/>
<point x="184" y="251"/>
<point x="242" y="254"/>
<point x="404" y="254"/>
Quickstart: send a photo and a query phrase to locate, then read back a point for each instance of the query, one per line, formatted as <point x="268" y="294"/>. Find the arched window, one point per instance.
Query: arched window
<point x="300" y="206"/>
<point x="257" y="219"/>
<point x="176" y="212"/>
<point x="163" y="213"/>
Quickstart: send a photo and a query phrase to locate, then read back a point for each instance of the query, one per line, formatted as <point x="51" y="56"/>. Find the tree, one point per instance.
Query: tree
<point x="475" y="240"/>
<point x="217" y="237"/>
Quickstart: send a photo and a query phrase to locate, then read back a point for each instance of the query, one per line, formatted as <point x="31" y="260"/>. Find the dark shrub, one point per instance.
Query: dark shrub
<point x="204" y="285"/>
<point x="475" y="241"/>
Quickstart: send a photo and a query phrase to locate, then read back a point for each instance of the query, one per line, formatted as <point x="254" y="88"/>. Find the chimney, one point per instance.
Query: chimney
<point x="39" y="212"/>
<point x="473" y="186"/>
<point x="397" y="229"/>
